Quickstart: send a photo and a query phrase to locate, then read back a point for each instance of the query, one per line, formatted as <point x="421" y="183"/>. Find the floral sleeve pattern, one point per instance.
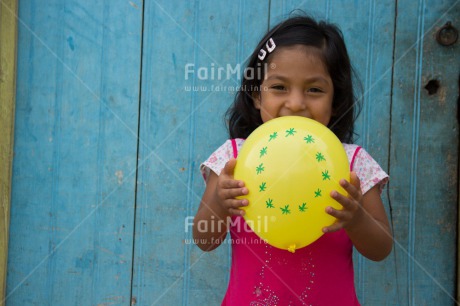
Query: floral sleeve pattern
<point x="217" y="160"/>
<point x="369" y="172"/>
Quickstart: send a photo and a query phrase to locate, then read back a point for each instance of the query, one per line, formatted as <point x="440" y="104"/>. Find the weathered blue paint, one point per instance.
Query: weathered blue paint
<point x="81" y="223"/>
<point x="424" y="154"/>
<point x="181" y="126"/>
<point x="72" y="211"/>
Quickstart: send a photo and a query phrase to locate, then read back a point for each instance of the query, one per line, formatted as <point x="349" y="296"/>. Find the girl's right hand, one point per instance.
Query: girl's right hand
<point x="227" y="189"/>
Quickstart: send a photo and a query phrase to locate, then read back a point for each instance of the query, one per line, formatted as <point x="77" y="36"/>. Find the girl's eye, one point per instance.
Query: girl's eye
<point x="278" y="87"/>
<point x="314" y="90"/>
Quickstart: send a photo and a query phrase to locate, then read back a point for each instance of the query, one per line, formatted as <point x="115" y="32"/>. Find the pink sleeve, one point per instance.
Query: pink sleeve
<point x="369" y="171"/>
<point x="217" y="160"/>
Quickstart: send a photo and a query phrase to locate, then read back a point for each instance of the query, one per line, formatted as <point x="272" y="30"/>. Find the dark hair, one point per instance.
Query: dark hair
<point x="243" y="118"/>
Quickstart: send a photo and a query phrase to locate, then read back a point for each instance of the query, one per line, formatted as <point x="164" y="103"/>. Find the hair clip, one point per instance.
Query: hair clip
<point x="270" y="45"/>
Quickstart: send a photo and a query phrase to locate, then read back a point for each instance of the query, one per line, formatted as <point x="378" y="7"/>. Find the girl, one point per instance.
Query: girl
<point x="307" y="73"/>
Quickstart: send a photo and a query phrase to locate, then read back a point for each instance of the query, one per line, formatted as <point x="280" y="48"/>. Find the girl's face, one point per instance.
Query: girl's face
<point x="297" y="83"/>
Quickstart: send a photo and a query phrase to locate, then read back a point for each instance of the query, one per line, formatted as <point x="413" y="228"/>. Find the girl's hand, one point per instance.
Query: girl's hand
<point x="352" y="212"/>
<point x="227" y="189"/>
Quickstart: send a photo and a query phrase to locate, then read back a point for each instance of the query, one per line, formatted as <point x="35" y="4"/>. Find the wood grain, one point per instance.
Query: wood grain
<point x="72" y="212"/>
<point x="8" y="40"/>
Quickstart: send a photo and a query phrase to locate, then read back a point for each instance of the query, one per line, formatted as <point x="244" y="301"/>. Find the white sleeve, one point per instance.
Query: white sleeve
<point x="369" y="172"/>
<point x="216" y="162"/>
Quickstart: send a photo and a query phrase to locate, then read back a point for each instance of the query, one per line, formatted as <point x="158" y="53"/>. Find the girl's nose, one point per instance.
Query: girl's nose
<point x="296" y="102"/>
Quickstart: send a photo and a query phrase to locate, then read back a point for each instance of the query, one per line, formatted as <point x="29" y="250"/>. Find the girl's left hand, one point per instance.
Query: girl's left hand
<point x="352" y="204"/>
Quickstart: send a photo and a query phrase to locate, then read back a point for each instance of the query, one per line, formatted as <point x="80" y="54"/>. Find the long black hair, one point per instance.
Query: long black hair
<point x="243" y="118"/>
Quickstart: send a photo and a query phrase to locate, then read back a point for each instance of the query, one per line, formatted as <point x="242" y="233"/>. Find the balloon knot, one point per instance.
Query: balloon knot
<point x="291" y="248"/>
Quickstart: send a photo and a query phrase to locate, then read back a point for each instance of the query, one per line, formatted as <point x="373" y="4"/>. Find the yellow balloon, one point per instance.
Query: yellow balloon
<point x="290" y="165"/>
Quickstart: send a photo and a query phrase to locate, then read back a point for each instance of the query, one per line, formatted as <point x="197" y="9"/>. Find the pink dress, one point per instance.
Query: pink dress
<point x="318" y="274"/>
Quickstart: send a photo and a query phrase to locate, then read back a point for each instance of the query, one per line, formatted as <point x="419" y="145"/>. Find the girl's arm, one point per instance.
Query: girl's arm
<point x="217" y="205"/>
<point x="364" y="219"/>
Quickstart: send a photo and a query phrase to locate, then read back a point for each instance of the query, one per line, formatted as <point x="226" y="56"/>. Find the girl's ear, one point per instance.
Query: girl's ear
<point x="256" y="99"/>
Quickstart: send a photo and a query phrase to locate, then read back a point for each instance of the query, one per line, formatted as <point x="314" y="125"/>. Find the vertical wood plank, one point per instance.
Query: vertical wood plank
<point x="72" y="211"/>
<point x="8" y="40"/>
<point x="181" y="125"/>
<point x="424" y="154"/>
<point x="368" y="29"/>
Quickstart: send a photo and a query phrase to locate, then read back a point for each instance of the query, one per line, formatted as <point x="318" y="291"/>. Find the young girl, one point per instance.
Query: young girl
<point x="308" y="73"/>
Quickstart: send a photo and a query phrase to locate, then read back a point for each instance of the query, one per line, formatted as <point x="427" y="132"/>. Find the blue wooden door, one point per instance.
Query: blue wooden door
<point x="119" y="102"/>
<point x="424" y="153"/>
<point x="77" y="112"/>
